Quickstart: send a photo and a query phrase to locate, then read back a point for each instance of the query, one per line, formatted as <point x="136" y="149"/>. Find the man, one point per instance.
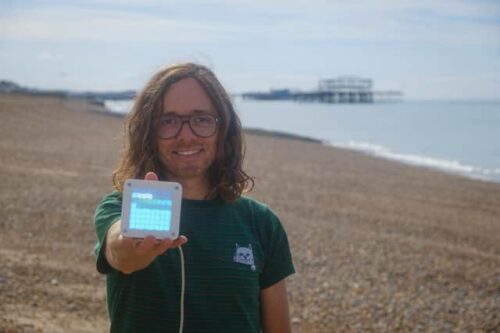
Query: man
<point x="183" y="128"/>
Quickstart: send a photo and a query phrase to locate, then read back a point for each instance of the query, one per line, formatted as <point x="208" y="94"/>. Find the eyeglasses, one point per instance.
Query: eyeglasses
<point x="202" y="125"/>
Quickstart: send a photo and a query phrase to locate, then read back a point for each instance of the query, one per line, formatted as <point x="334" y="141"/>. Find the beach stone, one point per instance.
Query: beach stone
<point x="378" y="246"/>
<point x="71" y="307"/>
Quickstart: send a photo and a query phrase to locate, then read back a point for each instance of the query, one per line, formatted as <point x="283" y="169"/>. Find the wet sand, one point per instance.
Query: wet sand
<point x="378" y="246"/>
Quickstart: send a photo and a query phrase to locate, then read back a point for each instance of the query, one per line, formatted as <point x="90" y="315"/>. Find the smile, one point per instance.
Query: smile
<point x="187" y="152"/>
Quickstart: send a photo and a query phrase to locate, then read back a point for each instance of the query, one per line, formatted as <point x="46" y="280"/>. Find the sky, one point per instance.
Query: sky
<point x="446" y="49"/>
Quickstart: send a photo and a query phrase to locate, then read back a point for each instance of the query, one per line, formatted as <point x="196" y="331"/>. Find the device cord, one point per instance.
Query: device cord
<point x="183" y="285"/>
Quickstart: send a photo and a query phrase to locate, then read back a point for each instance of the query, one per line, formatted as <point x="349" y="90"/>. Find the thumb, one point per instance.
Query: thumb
<point x="151" y="176"/>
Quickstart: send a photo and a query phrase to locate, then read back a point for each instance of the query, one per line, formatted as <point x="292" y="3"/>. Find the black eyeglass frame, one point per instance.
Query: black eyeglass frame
<point x="187" y="120"/>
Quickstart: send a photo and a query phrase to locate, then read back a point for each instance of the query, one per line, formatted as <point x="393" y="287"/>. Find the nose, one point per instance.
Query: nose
<point x="185" y="132"/>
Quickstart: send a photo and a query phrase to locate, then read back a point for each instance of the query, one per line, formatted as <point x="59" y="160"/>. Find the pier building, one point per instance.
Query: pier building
<point x="344" y="89"/>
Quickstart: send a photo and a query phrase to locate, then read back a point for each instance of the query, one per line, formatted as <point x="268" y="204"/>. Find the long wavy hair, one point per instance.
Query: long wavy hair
<point x="227" y="178"/>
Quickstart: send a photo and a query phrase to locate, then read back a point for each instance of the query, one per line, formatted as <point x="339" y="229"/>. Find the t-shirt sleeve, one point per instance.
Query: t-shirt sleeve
<point x="278" y="262"/>
<point x="108" y="211"/>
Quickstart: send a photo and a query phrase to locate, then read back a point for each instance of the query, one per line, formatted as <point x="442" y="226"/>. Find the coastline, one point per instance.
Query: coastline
<point x="429" y="161"/>
<point x="378" y="245"/>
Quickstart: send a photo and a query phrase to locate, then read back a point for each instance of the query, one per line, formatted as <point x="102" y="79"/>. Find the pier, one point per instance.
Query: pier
<point x="345" y="89"/>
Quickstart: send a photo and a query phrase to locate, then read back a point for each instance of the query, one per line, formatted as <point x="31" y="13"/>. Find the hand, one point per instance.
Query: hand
<point x="131" y="254"/>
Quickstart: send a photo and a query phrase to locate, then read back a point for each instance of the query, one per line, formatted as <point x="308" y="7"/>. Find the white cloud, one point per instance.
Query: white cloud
<point x="85" y="24"/>
<point x="448" y="21"/>
<point x="257" y="43"/>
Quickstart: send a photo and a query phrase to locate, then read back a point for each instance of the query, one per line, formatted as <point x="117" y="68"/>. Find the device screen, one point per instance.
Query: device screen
<point x="150" y="210"/>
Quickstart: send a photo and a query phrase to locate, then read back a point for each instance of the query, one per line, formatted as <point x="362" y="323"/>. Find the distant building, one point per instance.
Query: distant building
<point x="346" y="84"/>
<point x="344" y="89"/>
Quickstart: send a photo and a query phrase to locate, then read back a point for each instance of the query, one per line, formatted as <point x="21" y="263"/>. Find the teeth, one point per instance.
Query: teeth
<point x="187" y="152"/>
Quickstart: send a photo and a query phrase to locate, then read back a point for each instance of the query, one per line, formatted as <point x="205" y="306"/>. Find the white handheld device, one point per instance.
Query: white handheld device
<point x="151" y="207"/>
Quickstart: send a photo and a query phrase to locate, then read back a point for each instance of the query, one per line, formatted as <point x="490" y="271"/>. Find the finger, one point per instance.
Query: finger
<point x="126" y="241"/>
<point x="151" y="176"/>
<point x="150" y="241"/>
<point x="136" y="243"/>
<point x="169" y="244"/>
<point x="181" y="240"/>
<point x="146" y="244"/>
<point x="163" y="246"/>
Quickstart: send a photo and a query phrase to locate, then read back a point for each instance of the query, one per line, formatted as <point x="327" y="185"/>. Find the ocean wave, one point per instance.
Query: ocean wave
<point x="118" y="106"/>
<point x="431" y="162"/>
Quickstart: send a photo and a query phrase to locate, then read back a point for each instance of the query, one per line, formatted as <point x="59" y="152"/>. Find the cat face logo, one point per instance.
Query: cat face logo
<point x="244" y="255"/>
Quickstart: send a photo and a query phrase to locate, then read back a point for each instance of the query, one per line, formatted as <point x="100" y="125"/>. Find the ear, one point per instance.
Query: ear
<point x="250" y="246"/>
<point x="236" y="245"/>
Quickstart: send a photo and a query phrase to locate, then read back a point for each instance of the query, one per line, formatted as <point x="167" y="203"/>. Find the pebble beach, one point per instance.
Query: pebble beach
<point x="378" y="246"/>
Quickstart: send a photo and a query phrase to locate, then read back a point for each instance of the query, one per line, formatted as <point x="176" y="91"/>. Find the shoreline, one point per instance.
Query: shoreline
<point x="440" y="165"/>
<point x="433" y="163"/>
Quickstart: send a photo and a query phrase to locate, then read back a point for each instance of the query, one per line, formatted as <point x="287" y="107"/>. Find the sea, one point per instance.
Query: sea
<point x="461" y="137"/>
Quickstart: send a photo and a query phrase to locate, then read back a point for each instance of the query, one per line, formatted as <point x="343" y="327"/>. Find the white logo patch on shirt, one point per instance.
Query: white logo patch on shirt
<point x="244" y="255"/>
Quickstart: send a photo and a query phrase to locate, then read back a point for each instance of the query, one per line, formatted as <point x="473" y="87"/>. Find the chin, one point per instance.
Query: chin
<point x="186" y="173"/>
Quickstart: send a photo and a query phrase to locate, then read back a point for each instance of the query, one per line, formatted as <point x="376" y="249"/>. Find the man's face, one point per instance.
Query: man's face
<point x="187" y="156"/>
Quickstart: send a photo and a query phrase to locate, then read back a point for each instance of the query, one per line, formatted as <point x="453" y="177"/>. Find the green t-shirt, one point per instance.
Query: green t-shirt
<point x="233" y="251"/>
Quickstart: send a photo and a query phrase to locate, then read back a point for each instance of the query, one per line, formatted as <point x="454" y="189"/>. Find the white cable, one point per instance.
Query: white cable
<point x="183" y="285"/>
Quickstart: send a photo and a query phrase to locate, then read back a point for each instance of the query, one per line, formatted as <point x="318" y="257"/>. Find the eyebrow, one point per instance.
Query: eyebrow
<point x="195" y="111"/>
